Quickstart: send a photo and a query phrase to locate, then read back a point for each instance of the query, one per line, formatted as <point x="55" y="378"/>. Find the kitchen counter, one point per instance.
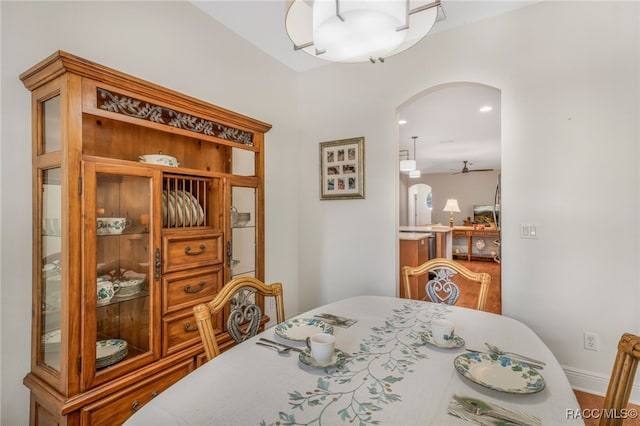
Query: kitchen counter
<point x="443" y="235"/>
<point x="425" y="228"/>
<point x="414" y="235"/>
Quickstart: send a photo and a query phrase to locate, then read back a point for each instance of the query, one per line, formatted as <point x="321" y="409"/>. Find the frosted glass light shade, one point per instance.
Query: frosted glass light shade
<point x="364" y="35"/>
<point x="367" y="31"/>
<point x="414" y="174"/>
<point x="407" y="165"/>
<point x="451" y="206"/>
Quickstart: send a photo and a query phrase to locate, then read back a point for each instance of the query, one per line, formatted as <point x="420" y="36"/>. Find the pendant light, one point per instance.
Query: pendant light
<point x="409" y="165"/>
<point x="414" y="173"/>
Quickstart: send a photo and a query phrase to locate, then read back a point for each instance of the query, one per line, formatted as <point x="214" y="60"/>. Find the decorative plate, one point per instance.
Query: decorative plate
<point x="337" y="360"/>
<point x="456" y="343"/>
<point x="499" y="372"/>
<point x="52" y="337"/>
<point x="110" y="351"/>
<point x="301" y="328"/>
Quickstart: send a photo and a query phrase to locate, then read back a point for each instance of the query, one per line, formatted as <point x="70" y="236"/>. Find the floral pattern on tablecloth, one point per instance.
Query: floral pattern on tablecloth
<point x="364" y="384"/>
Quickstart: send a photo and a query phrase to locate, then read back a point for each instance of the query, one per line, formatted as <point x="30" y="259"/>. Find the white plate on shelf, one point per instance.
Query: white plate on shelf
<point x="52" y="337"/>
<point x="198" y="217"/>
<point x="198" y="208"/>
<point x="300" y="328"/>
<point x="190" y="214"/>
<point x="168" y="211"/>
<point x="499" y="372"/>
<point x="176" y="205"/>
<point x="110" y="351"/>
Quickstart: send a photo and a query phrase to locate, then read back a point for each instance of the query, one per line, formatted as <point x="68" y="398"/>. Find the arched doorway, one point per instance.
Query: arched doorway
<point x="448" y="127"/>
<point x="419" y="204"/>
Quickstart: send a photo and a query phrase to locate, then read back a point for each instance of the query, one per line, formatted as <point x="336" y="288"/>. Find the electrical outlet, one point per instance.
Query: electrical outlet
<point x="591" y="341"/>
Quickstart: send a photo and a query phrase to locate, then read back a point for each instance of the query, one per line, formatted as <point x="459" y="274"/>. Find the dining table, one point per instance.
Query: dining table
<point x="387" y="370"/>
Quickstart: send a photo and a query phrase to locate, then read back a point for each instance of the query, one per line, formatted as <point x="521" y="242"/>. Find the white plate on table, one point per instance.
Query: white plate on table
<point x="499" y="372"/>
<point x="456" y="343"/>
<point x="337" y="359"/>
<point x="300" y="328"/>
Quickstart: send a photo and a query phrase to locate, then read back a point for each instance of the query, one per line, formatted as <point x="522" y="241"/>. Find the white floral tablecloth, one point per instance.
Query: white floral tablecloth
<point x="390" y="378"/>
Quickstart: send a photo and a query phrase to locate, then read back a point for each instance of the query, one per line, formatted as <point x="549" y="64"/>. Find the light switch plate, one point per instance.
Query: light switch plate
<point x="528" y="231"/>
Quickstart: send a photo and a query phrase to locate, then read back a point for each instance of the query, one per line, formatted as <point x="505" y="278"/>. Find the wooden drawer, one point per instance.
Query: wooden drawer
<point x="179" y="331"/>
<point x="186" y="249"/>
<point x="116" y="408"/>
<point x="186" y="289"/>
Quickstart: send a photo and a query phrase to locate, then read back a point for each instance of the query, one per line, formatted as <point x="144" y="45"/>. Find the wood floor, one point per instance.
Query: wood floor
<point x="586" y="401"/>
<point x="468" y="295"/>
<point x="589" y="402"/>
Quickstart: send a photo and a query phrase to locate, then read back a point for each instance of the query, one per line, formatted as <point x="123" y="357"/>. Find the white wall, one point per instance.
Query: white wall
<point x="169" y="43"/>
<point x="569" y="77"/>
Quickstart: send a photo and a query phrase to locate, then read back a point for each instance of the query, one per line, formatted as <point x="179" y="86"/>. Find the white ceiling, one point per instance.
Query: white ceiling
<point x="451" y="128"/>
<point x="448" y="125"/>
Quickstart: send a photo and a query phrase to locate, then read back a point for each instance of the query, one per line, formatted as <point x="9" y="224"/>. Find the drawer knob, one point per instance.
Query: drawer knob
<point x="154" y="394"/>
<point x="201" y="286"/>
<point x="188" y="328"/>
<point x="135" y="406"/>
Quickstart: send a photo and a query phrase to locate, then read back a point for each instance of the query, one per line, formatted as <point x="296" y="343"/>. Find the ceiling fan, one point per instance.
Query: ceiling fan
<point x="466" y="169"/>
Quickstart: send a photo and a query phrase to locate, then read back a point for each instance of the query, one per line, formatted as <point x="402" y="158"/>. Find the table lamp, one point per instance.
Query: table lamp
<point x="451" y="206"/>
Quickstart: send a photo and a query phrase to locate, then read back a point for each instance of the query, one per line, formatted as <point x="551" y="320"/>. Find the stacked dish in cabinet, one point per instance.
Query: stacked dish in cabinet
<point x="181" y="208"/>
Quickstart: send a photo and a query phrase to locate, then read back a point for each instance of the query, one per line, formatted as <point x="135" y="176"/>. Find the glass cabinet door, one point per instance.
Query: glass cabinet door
<point x="121" y="281"/>
<point x="51" y="269"/>
<point x="243" y="231"/>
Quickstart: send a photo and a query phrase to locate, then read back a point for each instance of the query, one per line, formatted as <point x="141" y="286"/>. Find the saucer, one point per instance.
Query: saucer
<point x="337" y="359"/>
<point x="456" y="343"/>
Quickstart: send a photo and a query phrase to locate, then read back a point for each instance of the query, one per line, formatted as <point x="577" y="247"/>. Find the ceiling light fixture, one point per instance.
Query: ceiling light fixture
<point x="401" y="122"/>
<point x="486" y="108"/>
<point x="358" y="30"/>
<point x="409" y="165"/>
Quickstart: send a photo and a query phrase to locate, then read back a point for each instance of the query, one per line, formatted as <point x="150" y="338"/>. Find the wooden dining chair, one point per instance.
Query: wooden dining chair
<point x="244" y="316"/>
<point x="621" y="381"/>
<point x="439" y="275"/>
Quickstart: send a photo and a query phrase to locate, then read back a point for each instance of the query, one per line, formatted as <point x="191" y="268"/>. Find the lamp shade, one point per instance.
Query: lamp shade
<point x="363" y="30"/>
<point x="357" y="30"/>
<point x="407" y="165"/>
<point x="451" y="206"/>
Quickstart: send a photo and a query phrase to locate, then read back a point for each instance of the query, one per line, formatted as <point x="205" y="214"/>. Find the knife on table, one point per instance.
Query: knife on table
<point x="293" y="348"/>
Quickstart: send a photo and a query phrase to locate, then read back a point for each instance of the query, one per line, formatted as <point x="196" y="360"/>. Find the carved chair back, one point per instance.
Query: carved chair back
<point x="440" y="287"/>
<point x="245" y="315"/>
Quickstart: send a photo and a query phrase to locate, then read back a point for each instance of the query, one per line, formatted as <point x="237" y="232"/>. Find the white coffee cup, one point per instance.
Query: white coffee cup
<point x="442" y="331"/>
<point x="322" y="347"/>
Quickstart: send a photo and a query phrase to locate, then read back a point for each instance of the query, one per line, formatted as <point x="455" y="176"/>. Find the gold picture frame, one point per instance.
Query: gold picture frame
<point x="342" y="169"/>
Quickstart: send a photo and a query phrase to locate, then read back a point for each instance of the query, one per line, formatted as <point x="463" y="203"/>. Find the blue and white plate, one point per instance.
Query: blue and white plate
<point x="337" y="359"/>
<point x="110" y="351"/>
<point x="499" y="372"/>
<point x="300" y="328"/>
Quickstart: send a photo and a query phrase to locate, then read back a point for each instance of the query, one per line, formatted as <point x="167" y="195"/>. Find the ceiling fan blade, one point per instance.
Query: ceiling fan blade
<point x="480" y="170"/>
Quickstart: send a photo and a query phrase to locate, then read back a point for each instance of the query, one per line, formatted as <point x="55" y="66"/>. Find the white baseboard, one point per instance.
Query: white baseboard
<point x="590" y="382"/>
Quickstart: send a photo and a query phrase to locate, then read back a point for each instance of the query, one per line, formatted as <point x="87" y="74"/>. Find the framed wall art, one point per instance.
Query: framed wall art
<point x="342" y="169"/>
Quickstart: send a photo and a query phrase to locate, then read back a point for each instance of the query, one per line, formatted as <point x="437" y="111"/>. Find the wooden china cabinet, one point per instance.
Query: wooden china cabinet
<point x="124" y="247"/>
